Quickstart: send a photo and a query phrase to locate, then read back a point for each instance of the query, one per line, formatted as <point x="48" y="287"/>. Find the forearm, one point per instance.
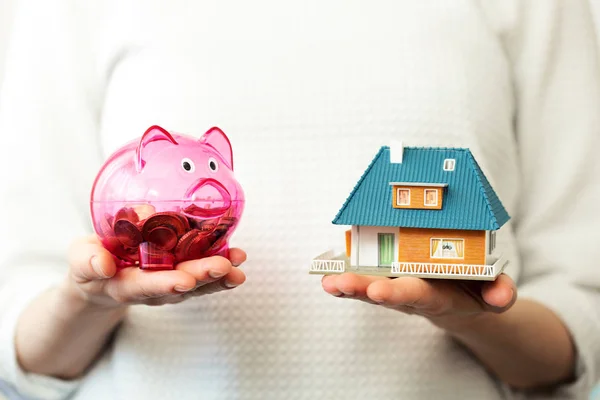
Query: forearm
<point x="527" y="346"/>
<point x="60" y="334"/>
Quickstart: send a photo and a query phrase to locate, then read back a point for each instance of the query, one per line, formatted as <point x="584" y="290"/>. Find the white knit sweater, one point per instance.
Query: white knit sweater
<point x="307" y="92"/>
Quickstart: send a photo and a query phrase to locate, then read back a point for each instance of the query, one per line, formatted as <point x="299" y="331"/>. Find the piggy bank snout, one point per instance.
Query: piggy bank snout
<point x="209" y="195"/>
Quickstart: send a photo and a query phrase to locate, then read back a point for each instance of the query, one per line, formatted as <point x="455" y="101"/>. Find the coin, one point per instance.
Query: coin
<point x="167" y="219"/>
<point x="217" y="236"/>
<point x="199" y="245"/>
<point x="207" y="224"/>
<point x="105" y="226"/>
<point x="220" y="230"/>
<point x="127" y="213"/>
<point x="228" y="221"/>
<point x="163" y="237"/>
<point x="183" y="246"/>
<point x="184" y="221"/>
<point x="116" y="248"/>
<point x="158" y="239"/>
<point x="127" y="233"/>
<point x="153" y="258"/>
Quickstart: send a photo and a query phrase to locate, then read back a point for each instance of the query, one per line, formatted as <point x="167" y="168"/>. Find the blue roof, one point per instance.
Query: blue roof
<point x="469" y="200"/>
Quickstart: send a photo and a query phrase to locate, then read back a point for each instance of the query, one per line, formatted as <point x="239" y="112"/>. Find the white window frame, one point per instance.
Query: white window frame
<point x="449" y="164"/>
<point x="425" y="198"/>
<point x="447" y="239"/>
<point x="398" y="197"/>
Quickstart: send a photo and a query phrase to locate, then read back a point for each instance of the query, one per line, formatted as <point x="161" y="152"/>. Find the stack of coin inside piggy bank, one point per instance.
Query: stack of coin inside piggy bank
<point x="167" y="198"/>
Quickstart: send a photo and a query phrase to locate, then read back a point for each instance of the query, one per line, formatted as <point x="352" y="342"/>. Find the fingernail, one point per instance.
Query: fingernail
<point x="182" y="289"/>
<point x="230" y="285"/>
<point x="216" y="274"/>
<point x="97" y="267"/>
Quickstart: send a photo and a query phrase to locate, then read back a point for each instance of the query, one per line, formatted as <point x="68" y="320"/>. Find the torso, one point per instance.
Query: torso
<point x="307" y="93"/>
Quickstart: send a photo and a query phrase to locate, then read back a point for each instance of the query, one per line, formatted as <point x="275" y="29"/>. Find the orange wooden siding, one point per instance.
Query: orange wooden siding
<point x="348" y="242"/>
<point x="415" y="245"/>
<point x="417" y="197"/>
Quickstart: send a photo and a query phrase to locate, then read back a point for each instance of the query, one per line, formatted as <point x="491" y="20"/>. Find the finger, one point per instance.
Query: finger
<point x="349" y="284"/>
<point x="134" y="284"/>
<point x="500" y="294"/>
<point x="206" y="270"/>
<point x="404" y="291"/>
<point x="232" y="280"/>
<point x="237" y="256"/>
<point x="90" y="261"/>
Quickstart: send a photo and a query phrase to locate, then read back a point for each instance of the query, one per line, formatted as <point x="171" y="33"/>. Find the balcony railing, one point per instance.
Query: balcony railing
<point x="442" y="269"/>
<point x="449" y="270"/>
<point x="327" y="262"/>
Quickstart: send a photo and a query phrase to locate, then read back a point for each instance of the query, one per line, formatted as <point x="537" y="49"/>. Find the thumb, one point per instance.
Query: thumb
<point x="90" y="261"/>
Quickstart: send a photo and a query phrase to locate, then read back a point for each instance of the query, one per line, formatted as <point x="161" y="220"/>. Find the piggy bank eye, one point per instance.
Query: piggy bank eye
<point x="188" y="165"/>
<point x="213" y="165"/>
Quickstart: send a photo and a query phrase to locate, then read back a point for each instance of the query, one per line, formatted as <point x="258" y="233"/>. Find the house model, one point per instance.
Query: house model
<point x="425" y="212"/>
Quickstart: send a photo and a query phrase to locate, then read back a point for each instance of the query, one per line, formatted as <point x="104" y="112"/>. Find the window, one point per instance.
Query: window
<point x="492" y="244"/>
<point x="431" y="197"/>
<point x="447" y="248"/>
<point x="403" y="197"/>
<point x="449" y="164"/>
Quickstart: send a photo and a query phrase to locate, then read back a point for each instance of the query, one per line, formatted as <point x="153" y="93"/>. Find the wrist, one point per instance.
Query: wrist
<point x="462" y="325"/>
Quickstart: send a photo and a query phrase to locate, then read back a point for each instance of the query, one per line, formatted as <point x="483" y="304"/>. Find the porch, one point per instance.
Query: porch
<point x="329" y="263"/>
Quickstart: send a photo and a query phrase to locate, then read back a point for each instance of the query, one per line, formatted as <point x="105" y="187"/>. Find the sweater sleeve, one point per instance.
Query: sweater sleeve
<point x="48" y="116"/>
<point x="554" y="57"/>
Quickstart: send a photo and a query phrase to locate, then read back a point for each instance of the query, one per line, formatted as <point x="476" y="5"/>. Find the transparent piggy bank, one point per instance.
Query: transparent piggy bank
<point x="166" y="198"/>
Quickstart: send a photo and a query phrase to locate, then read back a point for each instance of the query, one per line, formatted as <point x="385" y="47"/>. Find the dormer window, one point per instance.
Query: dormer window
<point x="418" y="195"/>
<point x="449" y="164"/>
<point x="403" y="197"/>
<point x="431" y="197"/>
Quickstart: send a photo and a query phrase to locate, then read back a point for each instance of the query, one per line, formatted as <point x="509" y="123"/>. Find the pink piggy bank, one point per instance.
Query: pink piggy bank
<point x="166" y="198"/>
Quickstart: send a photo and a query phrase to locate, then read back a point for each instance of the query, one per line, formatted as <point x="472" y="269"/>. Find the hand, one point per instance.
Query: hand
<point x="94" y="277"/>
<point x="447" y="303"/>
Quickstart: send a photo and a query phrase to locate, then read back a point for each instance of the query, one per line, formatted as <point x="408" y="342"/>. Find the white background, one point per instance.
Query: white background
<point x="7" y="8"/>
<point x="6" y="12"/>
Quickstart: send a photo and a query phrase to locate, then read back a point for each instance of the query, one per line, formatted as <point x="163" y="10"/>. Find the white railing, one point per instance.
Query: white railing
<point x="443" y="269"/>
<point x="326" y="262"/>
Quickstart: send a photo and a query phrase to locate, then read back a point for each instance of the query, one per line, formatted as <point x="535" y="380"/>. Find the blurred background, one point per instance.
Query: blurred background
<point x="6" y="13"/>
<point x="7" y="8"/>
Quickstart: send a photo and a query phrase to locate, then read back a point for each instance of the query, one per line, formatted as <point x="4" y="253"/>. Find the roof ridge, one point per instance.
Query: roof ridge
<point x="488" y="205"/>
<point x="358" y="183"/>
<point x="465" y="149"/>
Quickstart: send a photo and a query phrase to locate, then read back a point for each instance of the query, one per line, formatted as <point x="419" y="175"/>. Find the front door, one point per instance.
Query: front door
<point x="386" y="249"/>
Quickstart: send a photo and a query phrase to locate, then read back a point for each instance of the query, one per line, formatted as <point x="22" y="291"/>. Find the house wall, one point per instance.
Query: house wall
<point x="355" y="239"/>
<point x="414" y="245"/>
<point x="368" y="246"/>
<point x="417" y="197"/>
<point x="487" y="246"/>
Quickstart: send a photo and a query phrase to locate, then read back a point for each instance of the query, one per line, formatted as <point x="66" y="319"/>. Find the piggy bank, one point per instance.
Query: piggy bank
<point x="166" y="198"/>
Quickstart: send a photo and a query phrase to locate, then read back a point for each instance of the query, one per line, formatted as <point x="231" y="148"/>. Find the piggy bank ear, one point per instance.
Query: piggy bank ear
<point x="216" y="139"/>
<point x="152" y="135"/>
